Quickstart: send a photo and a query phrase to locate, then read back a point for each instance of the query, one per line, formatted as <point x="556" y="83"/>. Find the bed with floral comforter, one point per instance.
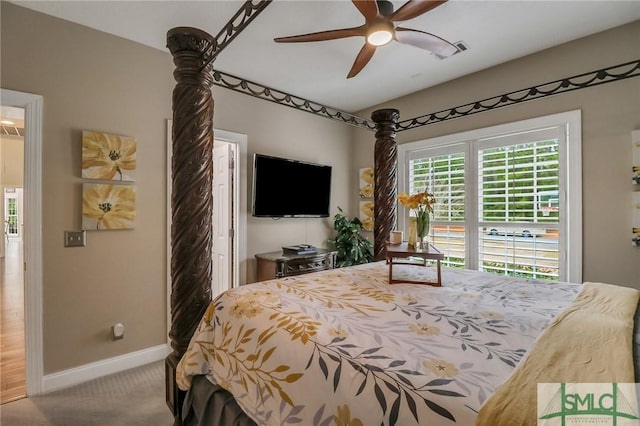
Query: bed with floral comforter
<point x="345" y="347"/>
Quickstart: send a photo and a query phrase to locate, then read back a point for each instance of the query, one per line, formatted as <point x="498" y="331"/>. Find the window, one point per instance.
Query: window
<point x="443" y="175"/>
<point x="508" y="197"/>
<point x="11" y="213"/>
<point x="516" y="237"/>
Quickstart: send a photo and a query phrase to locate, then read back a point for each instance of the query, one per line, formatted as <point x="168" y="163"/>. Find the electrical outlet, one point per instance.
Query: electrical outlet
<point x="117" y="331"/>
<point x="75" y="238"/>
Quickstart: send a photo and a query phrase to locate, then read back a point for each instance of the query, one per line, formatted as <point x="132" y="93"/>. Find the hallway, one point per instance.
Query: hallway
<point x="12" y="342"/>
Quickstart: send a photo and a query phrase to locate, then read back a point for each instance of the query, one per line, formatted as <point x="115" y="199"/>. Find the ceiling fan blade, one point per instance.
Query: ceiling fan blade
<point x="426" y="41"/>
<point x="363" y="58"/>
<point x="324" y="35"/>
<point x="414" y="8"/>
<point x="368" y="8"/>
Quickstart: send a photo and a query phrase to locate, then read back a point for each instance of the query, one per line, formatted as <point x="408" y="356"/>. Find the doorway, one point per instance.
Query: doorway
<point x="230" y="224"/>
<point x="13" y="384"/>
<point x="225" y="269"/>
<point x="32" y="233"/>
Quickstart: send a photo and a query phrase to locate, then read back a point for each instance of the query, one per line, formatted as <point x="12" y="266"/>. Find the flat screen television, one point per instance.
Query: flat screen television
<point x="290" y="188"/>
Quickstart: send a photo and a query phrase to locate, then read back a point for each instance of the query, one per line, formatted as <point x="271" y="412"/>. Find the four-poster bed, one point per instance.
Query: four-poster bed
<point x="192" y="168"/>
<point x="436" y="354"/>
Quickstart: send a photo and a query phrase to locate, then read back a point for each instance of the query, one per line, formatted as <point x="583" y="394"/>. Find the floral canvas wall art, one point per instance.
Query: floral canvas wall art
<point x="108" y="157"/>
<point x="366" y="215"/>
<point x="636" y="218"/>
<point x="366" y="182"/>
<point x="107" y="206"/>
<point x="635" y="149"/>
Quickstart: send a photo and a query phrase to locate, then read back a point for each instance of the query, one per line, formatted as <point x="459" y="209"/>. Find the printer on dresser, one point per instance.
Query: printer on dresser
<point x="294" y="260"/>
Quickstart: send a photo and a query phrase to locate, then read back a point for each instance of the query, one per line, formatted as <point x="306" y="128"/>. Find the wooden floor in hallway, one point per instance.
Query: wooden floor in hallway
<point x="12" y="343"/>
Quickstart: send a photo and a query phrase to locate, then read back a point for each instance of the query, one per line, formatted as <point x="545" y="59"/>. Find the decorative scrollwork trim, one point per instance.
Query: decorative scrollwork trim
<point x="581" y="81"/>
<point x="236" y="24"/>
<point x="273" y="95"/>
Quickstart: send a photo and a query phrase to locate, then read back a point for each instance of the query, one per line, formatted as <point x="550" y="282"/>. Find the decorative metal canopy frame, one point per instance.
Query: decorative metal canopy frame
<point x="260" y="91"/>
<point x="568" y="84"/>
<point x="242" y="18"/>
<point x="581" y="81"/>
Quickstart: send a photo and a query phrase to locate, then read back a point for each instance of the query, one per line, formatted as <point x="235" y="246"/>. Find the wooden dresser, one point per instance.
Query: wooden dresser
<point x="276" y="264"/>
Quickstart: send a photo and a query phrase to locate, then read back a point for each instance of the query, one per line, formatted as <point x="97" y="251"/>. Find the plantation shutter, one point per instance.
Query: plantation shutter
<point x="519" y="204"/>
<point x="443" y="174"/>
<point x="500" y="205"/>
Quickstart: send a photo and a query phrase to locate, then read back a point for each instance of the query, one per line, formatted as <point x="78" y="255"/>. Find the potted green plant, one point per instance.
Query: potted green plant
<point x="352" y="247"/>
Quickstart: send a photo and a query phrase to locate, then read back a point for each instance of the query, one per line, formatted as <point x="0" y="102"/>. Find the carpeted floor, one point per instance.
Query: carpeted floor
<point x="131" y="398"/>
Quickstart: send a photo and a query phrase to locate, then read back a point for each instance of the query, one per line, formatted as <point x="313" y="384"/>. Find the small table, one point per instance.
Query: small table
<point x="403" y="251"/>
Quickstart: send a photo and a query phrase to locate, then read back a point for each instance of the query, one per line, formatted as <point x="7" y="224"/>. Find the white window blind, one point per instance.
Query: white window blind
<point x="501" y="194"/>
<point x="443" y="175"/>
<point x="519" y="227"/>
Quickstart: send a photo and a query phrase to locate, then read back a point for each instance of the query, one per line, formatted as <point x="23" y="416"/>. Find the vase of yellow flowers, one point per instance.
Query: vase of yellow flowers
<point x="421" y="204"/>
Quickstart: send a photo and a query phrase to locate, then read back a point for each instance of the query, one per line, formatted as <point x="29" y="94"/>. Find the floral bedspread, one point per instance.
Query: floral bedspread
<point x="345" y="347"/>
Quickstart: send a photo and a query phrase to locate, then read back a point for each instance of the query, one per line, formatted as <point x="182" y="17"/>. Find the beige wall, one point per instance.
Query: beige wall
<point x="91" y="80"/>
<point x="609" y="113"/>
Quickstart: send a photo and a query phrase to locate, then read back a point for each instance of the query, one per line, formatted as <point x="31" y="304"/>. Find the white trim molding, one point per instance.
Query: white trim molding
<point x="84" y="373"/>
<point x="33" y="106"/>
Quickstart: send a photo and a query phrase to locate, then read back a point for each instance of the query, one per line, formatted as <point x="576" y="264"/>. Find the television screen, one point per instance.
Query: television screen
<point x="289" y="188"/>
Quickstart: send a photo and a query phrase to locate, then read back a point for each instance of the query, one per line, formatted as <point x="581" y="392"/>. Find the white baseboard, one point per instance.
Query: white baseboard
<point x="74" y="376"/>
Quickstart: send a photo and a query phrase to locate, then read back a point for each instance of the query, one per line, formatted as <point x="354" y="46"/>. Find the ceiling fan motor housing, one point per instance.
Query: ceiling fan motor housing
<point x="385" y="7"/>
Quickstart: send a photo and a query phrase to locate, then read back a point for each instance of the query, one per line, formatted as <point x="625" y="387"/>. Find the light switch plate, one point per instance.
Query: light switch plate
<point x="75" y="238"/>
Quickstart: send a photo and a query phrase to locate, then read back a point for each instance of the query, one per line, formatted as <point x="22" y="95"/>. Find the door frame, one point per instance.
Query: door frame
<point x="240" y="217"/>
<point x="33" y="106"/>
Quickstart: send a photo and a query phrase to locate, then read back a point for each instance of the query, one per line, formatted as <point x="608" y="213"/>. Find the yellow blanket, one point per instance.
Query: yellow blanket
<point x="590" y="342"/>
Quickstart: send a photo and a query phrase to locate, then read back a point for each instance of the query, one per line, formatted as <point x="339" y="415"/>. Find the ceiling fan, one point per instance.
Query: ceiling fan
<point x="380" y="28"/>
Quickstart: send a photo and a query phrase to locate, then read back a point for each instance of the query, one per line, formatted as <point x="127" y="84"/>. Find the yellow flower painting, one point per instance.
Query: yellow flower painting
<point x="636" y="218"/>
<point x="107" y="206"/>
<point x="366" y="182"/>
<point x="635" y="162"/>
<point x="366" y="215"/>
<point x="108" y="157"/>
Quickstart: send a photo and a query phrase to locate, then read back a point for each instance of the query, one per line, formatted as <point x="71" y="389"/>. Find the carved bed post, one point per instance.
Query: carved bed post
<point x="386" y="165"/>
<point x="192" y="201"/>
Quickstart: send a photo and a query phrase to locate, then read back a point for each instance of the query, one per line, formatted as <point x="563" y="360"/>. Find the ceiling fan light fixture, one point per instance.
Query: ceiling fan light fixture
<point x="380" y="37"/>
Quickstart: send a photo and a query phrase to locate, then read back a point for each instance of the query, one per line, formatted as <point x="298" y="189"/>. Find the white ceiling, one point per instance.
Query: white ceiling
<point x="495" y="31"/>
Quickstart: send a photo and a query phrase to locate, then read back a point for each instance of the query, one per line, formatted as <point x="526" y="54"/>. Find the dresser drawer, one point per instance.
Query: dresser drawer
<point x="303" y="266"/>
<point x="277" y="265"/>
